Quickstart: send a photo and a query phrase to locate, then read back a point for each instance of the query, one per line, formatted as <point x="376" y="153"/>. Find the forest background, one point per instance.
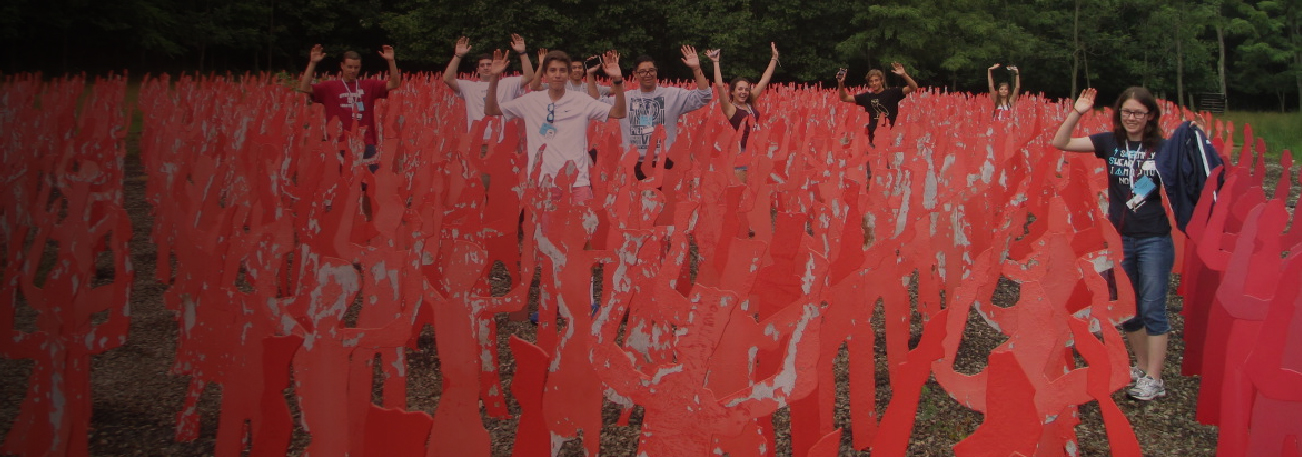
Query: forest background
<point x="1250" y="50"/>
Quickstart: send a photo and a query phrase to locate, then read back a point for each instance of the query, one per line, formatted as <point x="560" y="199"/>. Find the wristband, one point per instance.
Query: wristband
<point x="620" y="81"/>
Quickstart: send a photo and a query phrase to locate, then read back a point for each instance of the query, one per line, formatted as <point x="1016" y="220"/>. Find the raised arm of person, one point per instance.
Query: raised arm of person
<point x="610" y="63"/>
<point x="517" y="45"/>
<point x="763" y="83"/>
<point x="535" y="83"/>
<point x="313" y="57"/>
<point x="593" y="90"/>
<point x="1062" y="139"/>
<point x="500" y="62"/>
<point x="693" y="61"/>
<point x="990" y="80"/>
<point x="840" y="87"/>
<point x="1017" y="82"/>
<point x="395" y="76"/>
<point x="725" y="100"/>
<point x="898" y="68"/>
<point x="450" y="74"/>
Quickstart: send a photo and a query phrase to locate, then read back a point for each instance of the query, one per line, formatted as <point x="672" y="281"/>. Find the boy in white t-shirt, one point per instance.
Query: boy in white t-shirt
<point x="476" y="92"/>
<point x="556" y="120"/>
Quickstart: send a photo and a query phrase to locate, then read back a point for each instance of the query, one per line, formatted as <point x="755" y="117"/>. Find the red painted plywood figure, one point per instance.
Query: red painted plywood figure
<point x="384" y="267"/>
<point x="664" y="262"/>
<point x="845" y="315"/>
<point x="532" y="438"/>
<point x="898" y="222"/>
<point x="681" y="414"/>
<point x="392" y="291"/>
<point x="54" y="416"/>
<point x="1215" y="251"/>
<point x="1048" y="281"/>
<point x="1275" y="369"/>
<point x="1247" y="292"/>
<point x="458" y="319"/>
<point x="321" y="367"/>
<point x="733" y="296"/>
<point x="572" y="393"/>
<point x="1253" y="287"/>
<point x="76" y="273"/>
<point x="1047" y="297"/>
<point x="641" y="257"/>
<point x="230" y="341"/>
<point x="806" y="181"/>
<point x="227" y="264"/>
<point x="502" y="163"/>
<point x="226" y="336"/>
<point x="642" y="277"/>
<point x="734" y="364"/>
<point x="1199" y="282"/>
<point x="456" y="213"/>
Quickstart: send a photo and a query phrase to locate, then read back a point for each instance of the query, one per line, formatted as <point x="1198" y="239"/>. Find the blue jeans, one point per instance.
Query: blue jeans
<point x="1148" y="263"/>
<point x="367" y="154"/>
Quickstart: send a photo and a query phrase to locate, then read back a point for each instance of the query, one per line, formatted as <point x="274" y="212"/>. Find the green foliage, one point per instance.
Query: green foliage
<point x="1270" y="55"/>
<point x="1169" y="46"/>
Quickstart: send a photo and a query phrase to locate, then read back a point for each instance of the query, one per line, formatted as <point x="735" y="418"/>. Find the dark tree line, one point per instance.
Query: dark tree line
<point x="1250" y="49"/>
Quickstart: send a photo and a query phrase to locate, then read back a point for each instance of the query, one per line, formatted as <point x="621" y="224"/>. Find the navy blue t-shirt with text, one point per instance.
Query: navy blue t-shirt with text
<point x="1132" y="170"/>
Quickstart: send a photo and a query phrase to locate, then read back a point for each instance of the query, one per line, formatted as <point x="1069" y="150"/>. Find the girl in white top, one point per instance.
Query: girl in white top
<point x="1003" y="94"/>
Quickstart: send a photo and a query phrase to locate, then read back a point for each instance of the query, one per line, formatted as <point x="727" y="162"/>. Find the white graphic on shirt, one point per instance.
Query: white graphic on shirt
<point x="352" y="100"/>
<point x="1137" y="169"/>
<point x="644" y="115"/>
<point x="879" y="110"/>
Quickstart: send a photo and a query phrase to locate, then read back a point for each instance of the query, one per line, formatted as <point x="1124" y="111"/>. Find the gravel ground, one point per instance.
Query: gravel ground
<point x="136" y="399"/>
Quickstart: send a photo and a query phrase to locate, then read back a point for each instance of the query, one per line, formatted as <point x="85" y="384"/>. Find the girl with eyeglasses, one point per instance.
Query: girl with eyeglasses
<point x="1135" y="208"/>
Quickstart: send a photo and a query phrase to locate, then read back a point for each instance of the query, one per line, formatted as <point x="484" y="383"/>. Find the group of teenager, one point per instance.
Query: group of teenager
<point x="557" y="102"/>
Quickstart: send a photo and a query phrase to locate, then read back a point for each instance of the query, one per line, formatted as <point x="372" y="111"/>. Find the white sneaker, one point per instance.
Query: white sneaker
<point x="1147" y="388"/>
<point x="1135" y="374"/>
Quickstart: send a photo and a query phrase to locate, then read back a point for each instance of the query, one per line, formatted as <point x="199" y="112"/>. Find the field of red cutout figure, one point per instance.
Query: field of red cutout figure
<point x="814" y="309"/>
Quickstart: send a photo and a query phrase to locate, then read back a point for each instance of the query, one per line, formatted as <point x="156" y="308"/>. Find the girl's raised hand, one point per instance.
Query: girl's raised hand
<point x="1085" y="102"/>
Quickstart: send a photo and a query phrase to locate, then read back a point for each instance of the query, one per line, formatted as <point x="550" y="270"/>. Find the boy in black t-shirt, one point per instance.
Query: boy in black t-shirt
<point x="882" y="103"/>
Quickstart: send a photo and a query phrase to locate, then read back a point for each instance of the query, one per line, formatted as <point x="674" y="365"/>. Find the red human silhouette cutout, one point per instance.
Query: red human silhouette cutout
<point x="712" y="286"/>
<point x="68" y="200"/>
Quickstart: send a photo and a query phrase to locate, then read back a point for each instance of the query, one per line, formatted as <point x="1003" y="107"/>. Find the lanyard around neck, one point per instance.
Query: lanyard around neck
<point x="1138" y="157"/>
<point x="353" y="96"/>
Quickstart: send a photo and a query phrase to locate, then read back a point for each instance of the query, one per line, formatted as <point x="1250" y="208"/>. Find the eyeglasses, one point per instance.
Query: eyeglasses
<point x="551" y="112"/>
<point x="1129" y="114"/>
<point x="645" y="71"/>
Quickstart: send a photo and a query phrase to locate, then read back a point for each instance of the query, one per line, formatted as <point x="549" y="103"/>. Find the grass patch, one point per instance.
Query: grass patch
<point x="135" y="118"/>
<point x="1280" y="130"/>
